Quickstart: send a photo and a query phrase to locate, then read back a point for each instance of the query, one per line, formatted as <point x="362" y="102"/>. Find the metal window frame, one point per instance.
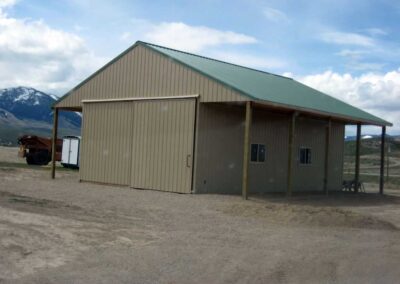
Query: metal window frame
<point x="299" y="159"/>
<point x="258" y="162"/>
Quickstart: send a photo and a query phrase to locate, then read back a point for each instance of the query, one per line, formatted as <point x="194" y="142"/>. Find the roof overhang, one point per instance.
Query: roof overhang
<point x="77" y="109"/>
<point x="141" y="99"/>
<point x="318" y="114"/>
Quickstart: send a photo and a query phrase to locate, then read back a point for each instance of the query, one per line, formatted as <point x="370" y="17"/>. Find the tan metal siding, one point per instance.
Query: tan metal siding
<point x="271" y="130"/>
<point x="162" y="145"/>
<point x="271" y="176"/>
<point x="144" y="73"/>
<point x="310" y="134"/>
<point x="219" y="149"/>
<point x="106" y="137"/>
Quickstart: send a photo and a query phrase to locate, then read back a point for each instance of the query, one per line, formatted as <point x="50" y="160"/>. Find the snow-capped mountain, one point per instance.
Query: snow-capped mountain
<point x="30" y="104"/>
<point x="25" y="110"/>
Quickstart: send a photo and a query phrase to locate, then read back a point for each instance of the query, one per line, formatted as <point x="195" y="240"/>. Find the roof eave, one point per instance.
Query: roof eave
<point x="311" y="111"/>
<point x="348" y="119"/>
<point x="95" y="73"/>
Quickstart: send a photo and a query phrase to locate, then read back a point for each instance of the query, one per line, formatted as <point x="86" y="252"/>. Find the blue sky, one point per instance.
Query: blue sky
<point x="305" y="36"/>
<point x="348" y="49"/>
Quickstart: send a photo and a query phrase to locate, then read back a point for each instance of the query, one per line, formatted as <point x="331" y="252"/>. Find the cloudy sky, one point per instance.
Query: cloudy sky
<point x="348" y="49"/>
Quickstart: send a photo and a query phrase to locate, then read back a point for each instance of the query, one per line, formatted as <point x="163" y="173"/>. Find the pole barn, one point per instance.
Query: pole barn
<point x="163" y="119"/>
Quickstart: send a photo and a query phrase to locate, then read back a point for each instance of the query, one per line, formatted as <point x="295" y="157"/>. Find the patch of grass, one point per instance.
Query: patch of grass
<point x="370" y="146"/>
<point x="9" y="134"/>
<point x="393" y="183"/>
<point x="8" y="166"/>
<point x="6" y="169"/>
<point x="28" y="200"/>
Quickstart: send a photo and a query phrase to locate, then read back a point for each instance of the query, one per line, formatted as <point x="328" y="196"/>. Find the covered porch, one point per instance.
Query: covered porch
<point x="354" y="184"/>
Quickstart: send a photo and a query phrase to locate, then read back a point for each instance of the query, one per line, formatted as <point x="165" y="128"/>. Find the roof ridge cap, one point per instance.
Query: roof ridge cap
<point x="213" y="59"/>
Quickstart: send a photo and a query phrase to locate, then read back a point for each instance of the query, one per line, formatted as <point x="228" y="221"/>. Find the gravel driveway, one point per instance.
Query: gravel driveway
<point x="63" y="231"/>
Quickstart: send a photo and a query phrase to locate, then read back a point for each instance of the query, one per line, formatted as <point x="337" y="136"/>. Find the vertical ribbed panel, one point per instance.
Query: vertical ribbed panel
<point x="310" y="134"/>
<point x="105" y="145"/>
<point x="271" y="130"/>
<point x="144" y="73"/>
<point x="219" y="149"/>
<point x="271" y="176"/>
<point x="335" y="171"/>
<point x="162" y="145"/>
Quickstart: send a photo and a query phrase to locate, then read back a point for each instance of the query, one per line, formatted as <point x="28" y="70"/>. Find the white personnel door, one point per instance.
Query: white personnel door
<point x="65" y="150"/>
<point x="74" y="152"/>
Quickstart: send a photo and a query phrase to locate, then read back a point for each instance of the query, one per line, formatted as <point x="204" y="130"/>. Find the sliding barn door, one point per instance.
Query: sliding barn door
<point x="106" y="142"/>
<point x="162" y="144"/>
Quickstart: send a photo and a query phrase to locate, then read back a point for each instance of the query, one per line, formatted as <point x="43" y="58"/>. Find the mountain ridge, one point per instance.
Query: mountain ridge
<point x="26" y="110"/>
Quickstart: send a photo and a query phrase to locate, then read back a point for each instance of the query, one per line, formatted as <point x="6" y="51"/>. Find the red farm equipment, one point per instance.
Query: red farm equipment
<point x="37" y="150"/>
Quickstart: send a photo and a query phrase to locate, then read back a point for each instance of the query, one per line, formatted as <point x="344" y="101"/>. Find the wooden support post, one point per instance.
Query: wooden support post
<point x="327" y="150"/>
<point x="387" y="161"/>
<point x="246" y="146"/>
<point x="54" y="144"/>
<point x="290" y="153"/>
<point x="381" y="178"/>
<point x="357" y="169"/>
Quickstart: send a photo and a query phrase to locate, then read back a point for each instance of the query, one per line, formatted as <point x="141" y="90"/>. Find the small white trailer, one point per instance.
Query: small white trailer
<point x="70" y="151"/>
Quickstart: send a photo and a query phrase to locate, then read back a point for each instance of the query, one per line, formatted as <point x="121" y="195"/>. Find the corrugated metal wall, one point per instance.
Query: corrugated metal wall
<point x="312" y="134"/>
<point x="271" y="130"/>
<point x="145" y="73"/>
<point x="106" y="143"/>
<point x="162" y="155"/>
<point x="309" y="134"/>
<point x="144" y="144"/>
<point x="219" y="149"/>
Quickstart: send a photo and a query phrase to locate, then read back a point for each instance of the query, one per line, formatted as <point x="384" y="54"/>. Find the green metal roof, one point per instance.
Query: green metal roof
<point x="269" y="88"/>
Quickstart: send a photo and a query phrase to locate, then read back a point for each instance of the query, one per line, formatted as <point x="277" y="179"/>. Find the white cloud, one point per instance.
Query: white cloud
<point x="275" y="15"/>
<point x="200" y="39"/>
<point x="364" y="66"/>
<point x="7" y="3"/>
<point x="352" y="53"/>
<point x="126" y="36"/>
<point x="182" y="36"/>
<point x="376" y="32"/>
<point x="342" y="38"/>
<point x="34" y="54"/>
<point x="357" y="60"/>
<point x="79" y="28"/>
<point x="376" y="93"/>
<point x="192" y="38"/>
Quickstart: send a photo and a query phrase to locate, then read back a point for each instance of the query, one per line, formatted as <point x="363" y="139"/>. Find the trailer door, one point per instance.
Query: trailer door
<point x="65" y="151"/>
<point x="74" y="152"/>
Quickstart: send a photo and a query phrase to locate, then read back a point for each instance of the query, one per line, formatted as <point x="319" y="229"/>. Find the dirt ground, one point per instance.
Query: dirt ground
<point x="63" y="231"/>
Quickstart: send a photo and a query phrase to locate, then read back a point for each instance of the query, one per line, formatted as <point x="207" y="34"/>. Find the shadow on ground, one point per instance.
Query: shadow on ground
<point x="333" y="199"/>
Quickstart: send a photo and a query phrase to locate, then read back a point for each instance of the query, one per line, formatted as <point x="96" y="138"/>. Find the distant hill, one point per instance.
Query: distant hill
<point x="369" y="136"/>
<point x="25" y="110"/>
<point x="371" y="145"/>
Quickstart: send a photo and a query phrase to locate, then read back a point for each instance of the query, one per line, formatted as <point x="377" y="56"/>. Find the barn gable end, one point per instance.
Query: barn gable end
<point x="143" y="72"/>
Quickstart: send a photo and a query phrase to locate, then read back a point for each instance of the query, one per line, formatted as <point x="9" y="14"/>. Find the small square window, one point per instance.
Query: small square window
<point x="254" y="151"/>
<point x="257" y="153"/>
<point x="305" y="156"/>
<point x="261" y="153"/>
